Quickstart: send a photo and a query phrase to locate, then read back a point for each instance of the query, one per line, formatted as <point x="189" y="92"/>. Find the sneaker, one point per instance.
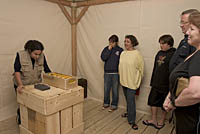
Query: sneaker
<point x="112" y="109"/>
<point x="105" y="106"/>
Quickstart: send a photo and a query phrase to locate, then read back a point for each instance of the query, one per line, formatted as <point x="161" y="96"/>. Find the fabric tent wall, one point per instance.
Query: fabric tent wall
<point x="24" y="20"/>
<point x="146" y="19"/>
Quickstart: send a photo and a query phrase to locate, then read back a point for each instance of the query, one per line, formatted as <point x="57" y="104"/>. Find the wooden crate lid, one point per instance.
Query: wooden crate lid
<point x="50" y="101"/>
<point x="52" y="92"/>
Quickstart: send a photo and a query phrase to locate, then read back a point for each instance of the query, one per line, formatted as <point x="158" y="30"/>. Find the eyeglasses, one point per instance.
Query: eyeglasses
<point x="184" y="22"/>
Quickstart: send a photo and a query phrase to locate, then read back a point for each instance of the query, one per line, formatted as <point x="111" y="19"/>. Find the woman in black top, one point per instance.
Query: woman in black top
<point x="186" y="105"/>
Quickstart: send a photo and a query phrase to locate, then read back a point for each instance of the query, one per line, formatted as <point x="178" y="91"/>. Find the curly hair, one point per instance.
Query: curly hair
<point x="33" y="45"/>
<point x="133" y="40"/>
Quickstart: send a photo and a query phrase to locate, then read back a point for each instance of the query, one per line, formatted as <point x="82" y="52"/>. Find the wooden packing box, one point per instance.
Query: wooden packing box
<point x="67" y="121"/>
<point x="50" y="101"/>
<point x="53" y="111"/>
<point x="60" y="80"/>
<point x="77" y="130"/>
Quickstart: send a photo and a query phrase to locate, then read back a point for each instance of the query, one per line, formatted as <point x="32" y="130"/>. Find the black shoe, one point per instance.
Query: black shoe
<point x="124" y="115"/>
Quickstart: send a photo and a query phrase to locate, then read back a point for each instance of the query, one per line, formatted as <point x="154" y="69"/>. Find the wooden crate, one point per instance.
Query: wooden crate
<point x="53" y="111"/>
<point x="72" y="120"/>
<point x="50" y="101"/>
<point x="23" y="130"/>
<point x="37" y="123"/>
<point x="60" y="80"/>
<point x="77" y="130"/>
<point x="67" y="121"/>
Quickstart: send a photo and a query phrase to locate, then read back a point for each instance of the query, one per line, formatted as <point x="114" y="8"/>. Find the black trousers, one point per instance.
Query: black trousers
<point x="187" y="119"/>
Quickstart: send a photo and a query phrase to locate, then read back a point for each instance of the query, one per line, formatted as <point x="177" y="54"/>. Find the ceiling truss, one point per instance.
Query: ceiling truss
<point x="73" y="19"/>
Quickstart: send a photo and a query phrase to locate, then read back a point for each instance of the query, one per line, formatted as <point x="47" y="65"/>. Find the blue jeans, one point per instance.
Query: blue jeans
<point x="130" y="106"/>
<point x="111" y="81"/>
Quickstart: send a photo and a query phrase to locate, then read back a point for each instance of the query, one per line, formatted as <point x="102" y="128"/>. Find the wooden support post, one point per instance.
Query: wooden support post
<point x="74" y="41"/>
<point x="74" y="21"/>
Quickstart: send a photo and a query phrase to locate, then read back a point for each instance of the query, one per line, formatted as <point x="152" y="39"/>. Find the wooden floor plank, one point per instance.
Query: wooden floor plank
<point x="97" y="117"/>
<point x="123" y="128"/>
<point x="150" y="130"/>
<point x="103" y="122"/>
<point x="92" y="113"/>
<point x="167" y="129"/>
<point x="141" y="127"/>
<point x="9" y="126"/>
<point x="89" y="105"/>
<point x="98" y="121"/>
<point x="112" y="126"/>
<point x="86" y="101"/>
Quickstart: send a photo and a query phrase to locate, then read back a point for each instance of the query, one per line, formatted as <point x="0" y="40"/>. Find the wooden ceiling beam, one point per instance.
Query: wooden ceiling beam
<point x="63" y="2"/>
<point x="97" y="2"/>
<point x="83" y="11"/>
<point x="67" y="15"/>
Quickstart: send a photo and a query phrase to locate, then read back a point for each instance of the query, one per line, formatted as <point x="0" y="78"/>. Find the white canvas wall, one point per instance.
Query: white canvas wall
<point x="22" y="20"/>
<point x="146" y="19"/>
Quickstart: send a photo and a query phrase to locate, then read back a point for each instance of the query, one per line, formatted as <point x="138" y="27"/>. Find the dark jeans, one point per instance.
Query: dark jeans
<point x="111" y="81"/>
<point x="130" y="106"/>
<point x="18" y="110"/>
